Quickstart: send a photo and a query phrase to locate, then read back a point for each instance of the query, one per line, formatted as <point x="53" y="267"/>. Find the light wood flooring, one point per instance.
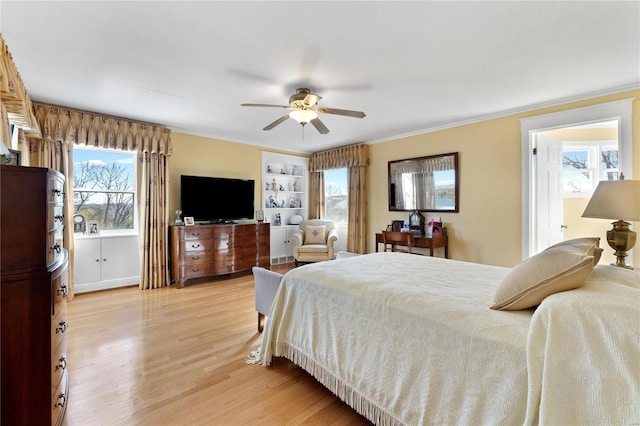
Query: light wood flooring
<point x="177" y="357"/>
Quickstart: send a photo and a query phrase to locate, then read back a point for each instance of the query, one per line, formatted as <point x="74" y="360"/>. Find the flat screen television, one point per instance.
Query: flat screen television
<point x="215" y="199"/>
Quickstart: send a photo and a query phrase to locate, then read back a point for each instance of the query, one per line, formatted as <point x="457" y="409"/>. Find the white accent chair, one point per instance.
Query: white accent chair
<point x="266" y="286"/>
<point x="313" y="242"/>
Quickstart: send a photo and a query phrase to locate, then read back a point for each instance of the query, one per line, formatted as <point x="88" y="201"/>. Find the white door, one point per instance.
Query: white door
<point x="549" y="207"/>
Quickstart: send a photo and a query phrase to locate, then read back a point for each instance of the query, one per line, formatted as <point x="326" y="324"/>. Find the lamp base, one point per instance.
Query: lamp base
<point x="621" y="239"/>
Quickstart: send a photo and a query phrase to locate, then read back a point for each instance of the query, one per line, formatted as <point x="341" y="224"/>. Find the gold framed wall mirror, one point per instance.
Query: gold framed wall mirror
<point x="429" y="184"/>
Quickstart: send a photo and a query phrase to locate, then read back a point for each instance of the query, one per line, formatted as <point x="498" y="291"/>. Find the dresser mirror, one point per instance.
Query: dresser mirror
<point x="429" y="184"/>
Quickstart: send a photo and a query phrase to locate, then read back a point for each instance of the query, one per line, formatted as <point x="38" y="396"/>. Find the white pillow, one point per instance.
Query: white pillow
<point x="551" y="271"/>
<point x="315" y="234"/>
<point x="590" y="245"/>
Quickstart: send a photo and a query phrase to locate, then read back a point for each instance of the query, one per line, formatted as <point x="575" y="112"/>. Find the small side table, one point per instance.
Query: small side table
<point x="425" y="242"/>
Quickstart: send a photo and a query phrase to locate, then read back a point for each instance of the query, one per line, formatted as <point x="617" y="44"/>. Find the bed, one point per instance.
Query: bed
<point x="407" y="339"/>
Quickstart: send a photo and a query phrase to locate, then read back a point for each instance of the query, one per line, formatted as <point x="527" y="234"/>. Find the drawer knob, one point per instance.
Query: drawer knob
<point x="62" y="291"/>
<point x="62" y="327"/>
<point x="195" y="270"/>
<point x="195" y="234"/>
<point x="195" y="245"/>
<point x="195" y="257"/>
<point x="56" y="247"/>
<point x="59" y="217"/>
<point x="62" y="400"/>
<point x="62" y="363"/>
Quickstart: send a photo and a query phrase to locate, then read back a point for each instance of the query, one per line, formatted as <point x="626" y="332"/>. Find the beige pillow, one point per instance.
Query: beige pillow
<point x="551" y="271"/>
<point x="590" y="246"/>
<point x="315" y="234"/>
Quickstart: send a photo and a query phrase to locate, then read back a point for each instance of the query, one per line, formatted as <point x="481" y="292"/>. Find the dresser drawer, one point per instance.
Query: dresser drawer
<point x="247" y="239"/>
<point x="59" y="288"/>
<point x="58" y="365"/>
<point x="196" y="257"/>
<point x="59" y="400"/>
<point x="59" y="327"/>
<point x="196" y="270"/>
<point x="55" y="189"/>
<point x="55" y="217"/>
<point x="54" y="245"/>
<point x="198" y="245"/>
<point x="197" y="233"/>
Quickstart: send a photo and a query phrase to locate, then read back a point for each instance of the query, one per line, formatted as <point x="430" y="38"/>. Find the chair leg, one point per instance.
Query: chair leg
<point x="260" y="322"/>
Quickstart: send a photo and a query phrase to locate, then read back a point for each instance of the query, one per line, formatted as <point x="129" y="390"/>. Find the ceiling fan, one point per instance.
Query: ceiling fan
<point x="305" y="109"/>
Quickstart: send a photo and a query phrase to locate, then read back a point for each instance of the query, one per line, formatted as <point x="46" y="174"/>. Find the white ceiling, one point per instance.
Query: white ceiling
<point x="410" y="66"/>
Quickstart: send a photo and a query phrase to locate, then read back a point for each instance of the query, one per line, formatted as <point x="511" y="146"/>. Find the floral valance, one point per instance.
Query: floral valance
<point x="339" y="158"/>
<point x="15" y="104"/>
<point x="96" y="130"/>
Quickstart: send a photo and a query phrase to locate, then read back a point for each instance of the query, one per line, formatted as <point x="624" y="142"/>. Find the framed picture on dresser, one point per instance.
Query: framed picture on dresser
<point x="397" y="225"/>
<point x="93" y="228"/>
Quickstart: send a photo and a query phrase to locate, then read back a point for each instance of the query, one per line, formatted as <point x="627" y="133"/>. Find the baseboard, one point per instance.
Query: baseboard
<point x="105" y="285"/>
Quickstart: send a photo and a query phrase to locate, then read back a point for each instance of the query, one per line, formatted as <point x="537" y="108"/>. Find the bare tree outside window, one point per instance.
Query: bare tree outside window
<point x="336" y="195"/>
<point x="104" y="188"/>
<point x="585" y="165"/>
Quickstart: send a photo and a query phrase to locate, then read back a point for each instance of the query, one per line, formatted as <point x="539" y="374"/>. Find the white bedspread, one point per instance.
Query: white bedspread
<point x="406" y="339"/>
<point x="584" y="353"/>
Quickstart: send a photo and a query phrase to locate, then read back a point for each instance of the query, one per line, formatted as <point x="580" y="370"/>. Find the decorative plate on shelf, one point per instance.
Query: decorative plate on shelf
<point x="295" y="219"/>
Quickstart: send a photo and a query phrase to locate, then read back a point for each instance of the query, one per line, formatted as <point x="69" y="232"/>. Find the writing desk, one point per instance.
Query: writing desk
<point x="424" y="242"/>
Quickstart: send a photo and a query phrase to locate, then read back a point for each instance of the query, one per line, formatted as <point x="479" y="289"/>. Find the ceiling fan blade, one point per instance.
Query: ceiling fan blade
<point x="266" y="105"/>
<point x="319" y="125"/>
<point x="311" y="99"/>
<point x="278" y="121"/>
<point x="347" y="112"/>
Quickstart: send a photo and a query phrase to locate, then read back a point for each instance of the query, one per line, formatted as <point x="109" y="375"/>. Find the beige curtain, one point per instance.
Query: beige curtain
<point x="153" y="192"/>
<point x="62" y="128"/>
<point x="356" y="159"/>
<point x="15" y="104"/>
<point x="358" y="220"/>
<point x="316" y="195"/>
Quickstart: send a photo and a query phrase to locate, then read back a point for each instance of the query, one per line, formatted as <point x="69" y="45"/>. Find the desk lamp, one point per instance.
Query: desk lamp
<point x="615" y="199"/>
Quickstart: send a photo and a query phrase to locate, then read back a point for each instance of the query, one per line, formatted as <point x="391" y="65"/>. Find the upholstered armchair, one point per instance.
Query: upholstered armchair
<point x="313" y="242"/>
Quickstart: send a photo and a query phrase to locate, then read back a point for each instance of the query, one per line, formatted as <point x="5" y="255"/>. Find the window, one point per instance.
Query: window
<point x="104" y="187"/>
<point x="336" y="194"/>
<point x="585" y="164"/>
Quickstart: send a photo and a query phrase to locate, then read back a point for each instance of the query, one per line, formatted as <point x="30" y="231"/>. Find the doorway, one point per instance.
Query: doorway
<point x="550" y="209"/>
<point x="568" y="164"/>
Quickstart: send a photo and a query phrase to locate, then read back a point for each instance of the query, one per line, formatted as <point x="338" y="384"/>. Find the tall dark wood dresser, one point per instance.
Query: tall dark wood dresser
<point x="33" y="289"/>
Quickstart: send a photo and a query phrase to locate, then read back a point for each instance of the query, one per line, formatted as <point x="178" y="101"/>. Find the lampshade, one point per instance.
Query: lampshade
<point x="615" y="199"/>
<point x="303" y="116"/>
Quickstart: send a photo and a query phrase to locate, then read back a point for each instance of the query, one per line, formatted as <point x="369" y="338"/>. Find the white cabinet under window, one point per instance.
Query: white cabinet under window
<point x="103" y="262"/>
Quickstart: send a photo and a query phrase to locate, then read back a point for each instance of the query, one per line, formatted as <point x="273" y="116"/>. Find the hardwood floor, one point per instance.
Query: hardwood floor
<point x="177" y="357"/>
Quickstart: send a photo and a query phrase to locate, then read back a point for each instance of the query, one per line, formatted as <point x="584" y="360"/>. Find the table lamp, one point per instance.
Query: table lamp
<point x="616" y="199"/>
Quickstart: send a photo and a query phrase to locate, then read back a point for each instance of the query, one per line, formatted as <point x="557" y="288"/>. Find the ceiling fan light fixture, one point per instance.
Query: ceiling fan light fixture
<point x="303" y="116"/>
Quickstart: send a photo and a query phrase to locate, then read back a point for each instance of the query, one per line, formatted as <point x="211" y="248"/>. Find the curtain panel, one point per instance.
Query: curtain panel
<point x="316" y="195"/>
<point x="356" y="159"/>
<point x="62" y="128"/>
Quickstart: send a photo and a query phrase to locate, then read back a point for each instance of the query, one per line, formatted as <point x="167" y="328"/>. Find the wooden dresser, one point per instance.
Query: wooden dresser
<point x="33" y="268"/>
<point x="207" y="250"/>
